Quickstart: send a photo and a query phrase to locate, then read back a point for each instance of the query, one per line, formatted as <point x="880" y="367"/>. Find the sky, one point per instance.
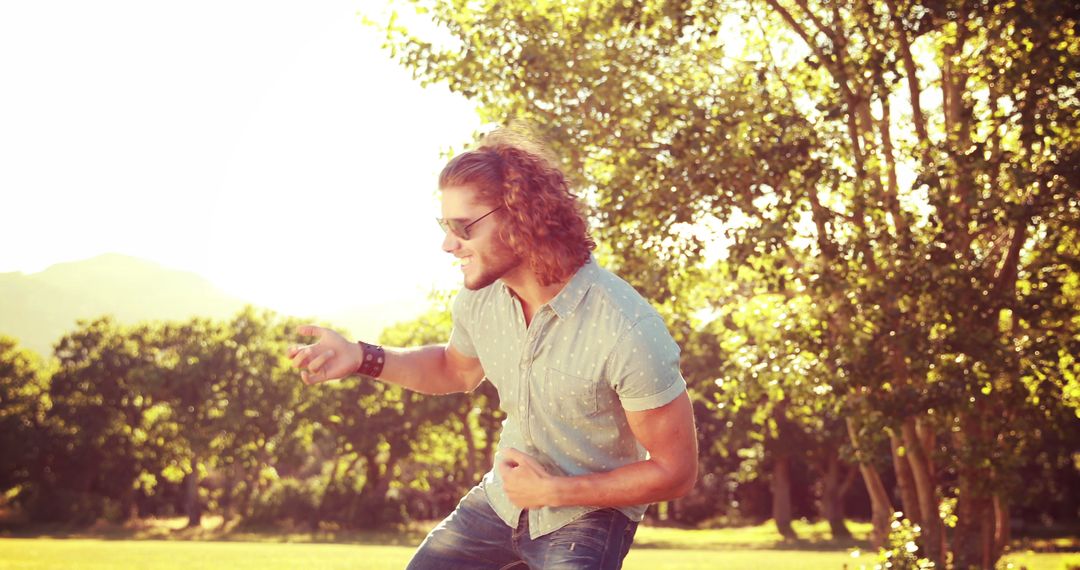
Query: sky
<point x="271" y="147"/>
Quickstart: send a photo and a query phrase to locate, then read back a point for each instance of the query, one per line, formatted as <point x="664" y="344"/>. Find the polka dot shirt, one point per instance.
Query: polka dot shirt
<point x="595" y="351"/>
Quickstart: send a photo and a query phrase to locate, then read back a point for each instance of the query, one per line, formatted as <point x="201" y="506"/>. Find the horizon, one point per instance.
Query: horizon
<point x="167" y="267"/>
<point x="41" y="307"/>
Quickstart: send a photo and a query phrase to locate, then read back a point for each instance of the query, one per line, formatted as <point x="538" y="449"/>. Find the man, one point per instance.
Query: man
<point x="598" y="423"/>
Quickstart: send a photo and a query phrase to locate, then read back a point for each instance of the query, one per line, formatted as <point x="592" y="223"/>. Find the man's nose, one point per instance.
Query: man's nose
<point x="451" y="242"/>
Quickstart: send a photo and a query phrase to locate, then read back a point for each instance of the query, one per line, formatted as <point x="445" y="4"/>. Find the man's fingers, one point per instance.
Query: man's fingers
<point x="531" y="462"/>
<point x="513" y="455"/>
<point x="316" y="365"/>
<point x="309" y="330"/>
<point x="504" y="468"/>
<point x="312" y="378"/>
<point x="301" y="356"/>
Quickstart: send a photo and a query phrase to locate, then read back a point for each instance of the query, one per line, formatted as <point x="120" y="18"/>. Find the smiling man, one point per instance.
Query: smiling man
<point x="598" y="423"/>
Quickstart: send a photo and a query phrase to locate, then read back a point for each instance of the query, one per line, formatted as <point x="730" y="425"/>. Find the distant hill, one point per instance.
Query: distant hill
<point x="39" y="308"/>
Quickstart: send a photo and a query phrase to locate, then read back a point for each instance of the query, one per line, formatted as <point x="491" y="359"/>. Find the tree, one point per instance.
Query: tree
<point x="22" y="409"/>
<point x="935" y="238"/>
<point x="100" y="435"/>
<point x="261" y="396"/>
<point x="233" y="397"/>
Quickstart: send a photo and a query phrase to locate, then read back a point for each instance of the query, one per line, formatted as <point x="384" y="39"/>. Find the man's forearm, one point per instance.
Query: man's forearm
<point x="422" y="369"/>
<point x="634" y="484"/>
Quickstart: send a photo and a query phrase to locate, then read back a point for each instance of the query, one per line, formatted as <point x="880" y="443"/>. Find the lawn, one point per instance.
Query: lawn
<point x="655" y="549"/>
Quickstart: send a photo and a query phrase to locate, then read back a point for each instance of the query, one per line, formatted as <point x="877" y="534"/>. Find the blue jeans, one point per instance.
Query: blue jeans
<point x="473" y="537"/>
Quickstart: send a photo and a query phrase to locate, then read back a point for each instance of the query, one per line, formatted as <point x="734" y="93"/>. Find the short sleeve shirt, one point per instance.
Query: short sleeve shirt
<point x="594" y="351"/>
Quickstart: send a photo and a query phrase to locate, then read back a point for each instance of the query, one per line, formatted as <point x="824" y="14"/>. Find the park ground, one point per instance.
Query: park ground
<point x="165" y="545"/>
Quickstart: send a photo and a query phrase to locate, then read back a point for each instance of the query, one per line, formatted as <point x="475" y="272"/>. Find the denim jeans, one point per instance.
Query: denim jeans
<point x="473" y="537"/>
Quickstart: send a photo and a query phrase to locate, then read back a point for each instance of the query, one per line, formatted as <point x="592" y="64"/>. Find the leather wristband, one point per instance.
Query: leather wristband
<point x="374" y="358"/>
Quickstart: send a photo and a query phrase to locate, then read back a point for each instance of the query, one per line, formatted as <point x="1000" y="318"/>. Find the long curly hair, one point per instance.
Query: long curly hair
<point x="544" y="223"/>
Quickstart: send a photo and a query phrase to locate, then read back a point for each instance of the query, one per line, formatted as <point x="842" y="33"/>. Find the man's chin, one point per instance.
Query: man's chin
<point x="489" y="274"/>
<point x="479" y="283"/>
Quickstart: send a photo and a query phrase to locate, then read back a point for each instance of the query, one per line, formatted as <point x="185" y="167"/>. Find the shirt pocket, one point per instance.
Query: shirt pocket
<point x="569" y="393"/>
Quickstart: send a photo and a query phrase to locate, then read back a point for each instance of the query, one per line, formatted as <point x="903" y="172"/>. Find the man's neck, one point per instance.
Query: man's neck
<point x="527" y="288"/>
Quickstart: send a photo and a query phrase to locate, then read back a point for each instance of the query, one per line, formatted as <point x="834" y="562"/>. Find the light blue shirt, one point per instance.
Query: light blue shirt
<point x="595" y="350"/>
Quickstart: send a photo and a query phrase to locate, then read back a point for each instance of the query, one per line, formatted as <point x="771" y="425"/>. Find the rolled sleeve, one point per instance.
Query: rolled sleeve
<point x="644" y="367"/>
<point x="460" y="339"/>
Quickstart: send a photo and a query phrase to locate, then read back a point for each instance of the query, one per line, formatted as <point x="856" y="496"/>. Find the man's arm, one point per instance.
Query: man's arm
<point x="667" y="432"/>
<point x="435" y="369"/>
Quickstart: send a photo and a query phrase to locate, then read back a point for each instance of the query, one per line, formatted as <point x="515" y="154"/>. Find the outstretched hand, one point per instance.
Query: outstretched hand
<point x="331" y="357"/>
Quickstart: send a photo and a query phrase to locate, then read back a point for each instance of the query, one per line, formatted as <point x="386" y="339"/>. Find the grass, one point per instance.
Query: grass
<point x="164" y="545"/>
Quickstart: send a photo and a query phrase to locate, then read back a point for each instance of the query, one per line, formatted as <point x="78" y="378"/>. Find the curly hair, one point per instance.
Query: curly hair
<point x="545" y="224"/>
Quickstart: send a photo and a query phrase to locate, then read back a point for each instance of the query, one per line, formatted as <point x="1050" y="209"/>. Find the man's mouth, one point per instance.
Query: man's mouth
<point x="465" y="261"/>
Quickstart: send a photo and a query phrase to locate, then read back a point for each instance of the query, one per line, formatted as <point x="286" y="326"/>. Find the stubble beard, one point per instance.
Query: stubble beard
<point x="499" y="263"/>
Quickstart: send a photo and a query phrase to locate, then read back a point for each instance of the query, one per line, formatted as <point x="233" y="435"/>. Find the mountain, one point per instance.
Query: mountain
<point x="39" y="308"/>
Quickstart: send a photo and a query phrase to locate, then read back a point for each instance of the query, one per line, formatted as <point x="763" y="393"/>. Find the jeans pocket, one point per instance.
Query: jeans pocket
<point x="593" y="531"/>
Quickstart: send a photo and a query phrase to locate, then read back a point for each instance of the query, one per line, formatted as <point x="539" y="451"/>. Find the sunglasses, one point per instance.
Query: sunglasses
<point x="458" y="227"/>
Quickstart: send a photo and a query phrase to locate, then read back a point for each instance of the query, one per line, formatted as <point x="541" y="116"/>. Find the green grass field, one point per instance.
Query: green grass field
<point x="655" y="549"/>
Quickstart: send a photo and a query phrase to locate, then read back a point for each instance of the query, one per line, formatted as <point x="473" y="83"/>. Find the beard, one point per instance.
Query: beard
<point x="489" y="268"/>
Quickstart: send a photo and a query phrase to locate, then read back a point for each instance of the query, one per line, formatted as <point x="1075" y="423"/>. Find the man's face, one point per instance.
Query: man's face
<point x="484" y="257"/>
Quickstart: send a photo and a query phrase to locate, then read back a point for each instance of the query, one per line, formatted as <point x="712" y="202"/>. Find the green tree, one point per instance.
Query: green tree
<point x="101" y="424"/>
<point x="232" y="396"/>
<point x="912" y="163"/>
<point x="264" y="437"/>
<point x="22" y="409"/>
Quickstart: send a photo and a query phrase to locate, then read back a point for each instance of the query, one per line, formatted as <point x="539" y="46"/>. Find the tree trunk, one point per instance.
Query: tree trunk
<point x="881" y="508"/>
<point x="317" y="516"/>
<point x="376" y="485"/>
<point x="972" y="545"/>
<point x="781" y="495"/>
<point x="1002" y="532"/>
<point x="909" y="497"/>
<point x="926" y="489"/>
<point x="227" y="497"/>
<point x="191" y="496"/>
<point x="832" y="498"/>
<point x="244" y="505"/>
<point x="128" y="505"/>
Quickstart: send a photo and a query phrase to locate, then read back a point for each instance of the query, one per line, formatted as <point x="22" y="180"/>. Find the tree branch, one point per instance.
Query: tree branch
<point x="912" y="72"/>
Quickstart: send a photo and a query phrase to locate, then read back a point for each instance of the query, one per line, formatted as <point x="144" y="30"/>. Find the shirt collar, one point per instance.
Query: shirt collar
<point x="571" y="295"/>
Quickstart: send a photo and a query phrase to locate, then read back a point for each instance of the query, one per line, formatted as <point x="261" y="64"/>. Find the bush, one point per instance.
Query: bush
<point x="902" y="551"/>
<point x="289" y="500"/>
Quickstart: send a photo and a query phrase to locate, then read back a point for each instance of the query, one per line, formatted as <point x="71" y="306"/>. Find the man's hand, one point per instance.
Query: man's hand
<point x="332" y="357"/>
<point x="525" y="481"/>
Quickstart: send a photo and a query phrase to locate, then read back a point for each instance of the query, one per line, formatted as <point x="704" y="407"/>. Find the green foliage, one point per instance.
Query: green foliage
<point x="891" y="187"/>
<point x="902" y="550"/>
<point x="22" y="411"/>
<point x="857" y="218"/>
<point x="288" y="501"/>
